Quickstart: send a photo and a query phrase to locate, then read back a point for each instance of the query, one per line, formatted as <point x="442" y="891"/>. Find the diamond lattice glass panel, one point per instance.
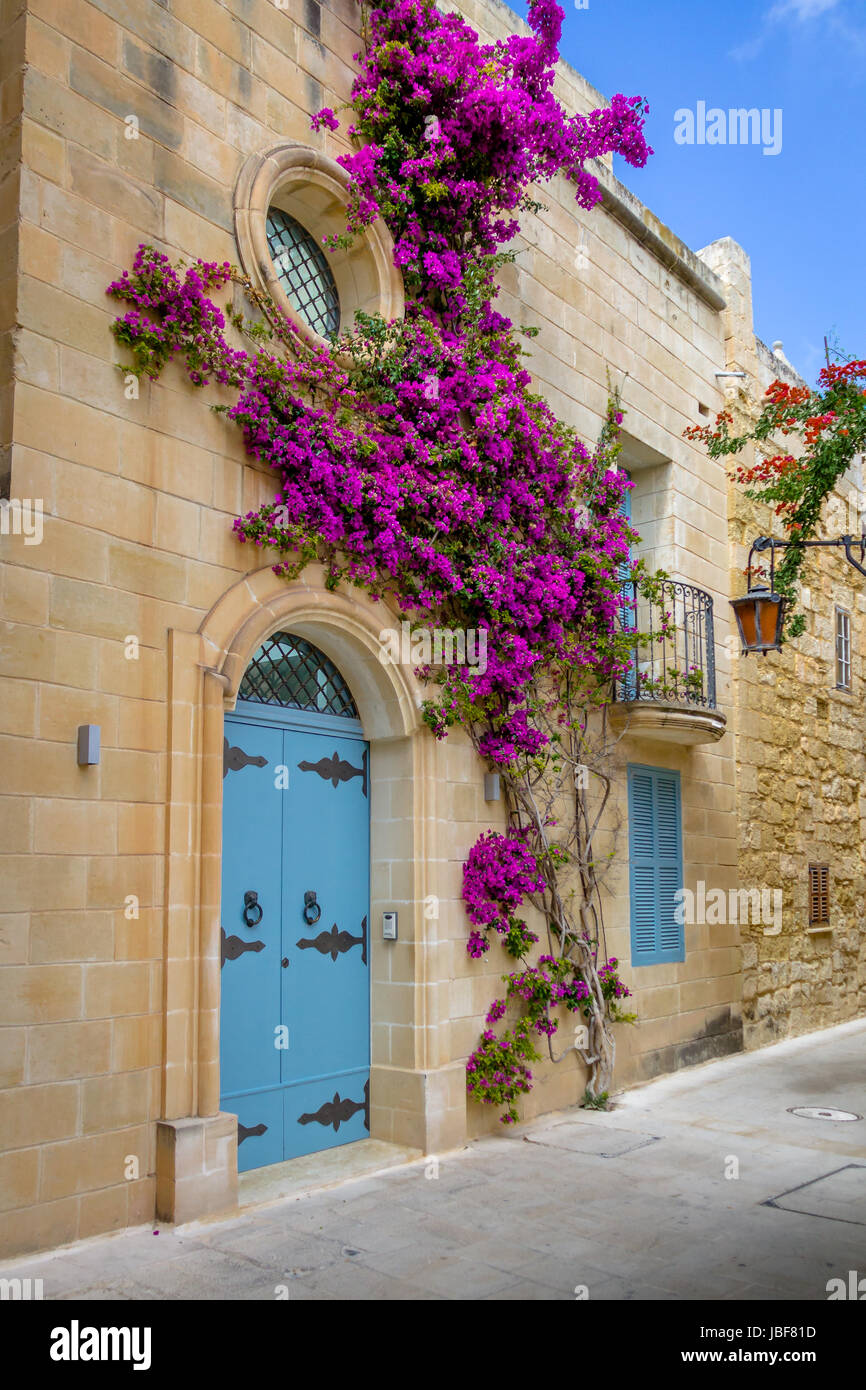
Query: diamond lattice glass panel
<point x="288" y="671"/>
<point x="304" y="273"/>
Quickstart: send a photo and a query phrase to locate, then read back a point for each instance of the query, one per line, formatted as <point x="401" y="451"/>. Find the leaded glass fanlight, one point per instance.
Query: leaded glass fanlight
<point x="289" y="671"/>
<point x="304" y="273"/>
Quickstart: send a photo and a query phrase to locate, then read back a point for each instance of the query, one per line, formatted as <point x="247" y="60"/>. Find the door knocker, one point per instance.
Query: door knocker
<point x="252" y="905"/>
<point x="312" y="911"/>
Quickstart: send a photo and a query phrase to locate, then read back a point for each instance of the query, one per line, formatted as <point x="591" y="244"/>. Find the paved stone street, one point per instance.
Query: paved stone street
<point x="632" y="1204"/>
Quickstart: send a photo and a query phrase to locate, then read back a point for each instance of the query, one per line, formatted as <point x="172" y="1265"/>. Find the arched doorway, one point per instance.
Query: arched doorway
<point x="295" y="905"/>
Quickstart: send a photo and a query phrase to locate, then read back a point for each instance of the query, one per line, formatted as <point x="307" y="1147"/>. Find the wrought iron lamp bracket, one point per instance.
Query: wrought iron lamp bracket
<point x="760" y="612"/>
<point x="847" y="543"/>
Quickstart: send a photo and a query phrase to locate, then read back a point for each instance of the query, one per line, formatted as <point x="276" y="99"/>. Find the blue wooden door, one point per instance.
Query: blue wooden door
<point x="295" y="1007"/>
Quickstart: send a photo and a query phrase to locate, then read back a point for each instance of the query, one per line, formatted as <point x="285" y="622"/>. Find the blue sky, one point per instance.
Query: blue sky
<point x="800" y="213"/>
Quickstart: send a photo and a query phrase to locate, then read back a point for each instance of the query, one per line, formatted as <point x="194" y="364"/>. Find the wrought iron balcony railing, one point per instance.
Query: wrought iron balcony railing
<point x="675" y="662"/>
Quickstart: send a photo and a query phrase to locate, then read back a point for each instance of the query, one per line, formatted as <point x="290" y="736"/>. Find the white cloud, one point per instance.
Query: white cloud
<point x="748" y="50"/>
<point x="785" y="12"/>
<point x="803" y="10"/>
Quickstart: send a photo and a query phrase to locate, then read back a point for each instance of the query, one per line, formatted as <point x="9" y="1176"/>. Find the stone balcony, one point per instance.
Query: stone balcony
<point x="669" y="693"/>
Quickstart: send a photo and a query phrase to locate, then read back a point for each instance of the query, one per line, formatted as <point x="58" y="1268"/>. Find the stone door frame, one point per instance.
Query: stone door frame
<point x="417" y="1092"/>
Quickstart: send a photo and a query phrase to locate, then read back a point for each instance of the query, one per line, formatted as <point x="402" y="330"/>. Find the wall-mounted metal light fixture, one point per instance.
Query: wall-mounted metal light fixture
<point x="760" y="612"/>
<point x="88" y="745"/>
<point x="491" y="786"/>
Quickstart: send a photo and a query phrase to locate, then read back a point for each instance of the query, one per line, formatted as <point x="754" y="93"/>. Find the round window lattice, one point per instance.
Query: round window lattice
<point x="304" y="273"/>
<point x="290" y="671"/>
<point x="311" y="189"/>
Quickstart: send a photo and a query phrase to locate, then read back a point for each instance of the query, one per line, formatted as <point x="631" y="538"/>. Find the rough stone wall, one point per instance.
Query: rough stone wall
<point x="800" y="743"/>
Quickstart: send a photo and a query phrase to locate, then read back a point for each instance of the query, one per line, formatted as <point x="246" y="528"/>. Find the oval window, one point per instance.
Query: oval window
<point x="304" y="273"/>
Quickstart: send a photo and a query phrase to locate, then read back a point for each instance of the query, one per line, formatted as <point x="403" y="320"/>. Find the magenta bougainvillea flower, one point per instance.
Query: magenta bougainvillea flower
<point x="490" y="127"/>
<point x="498" y="874"/>
<point x="462" y="499"/>
<point x="414" y="459"/>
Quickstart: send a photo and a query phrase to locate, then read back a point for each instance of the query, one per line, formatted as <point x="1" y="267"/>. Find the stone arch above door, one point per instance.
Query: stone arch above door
<point x="346" y="627"/>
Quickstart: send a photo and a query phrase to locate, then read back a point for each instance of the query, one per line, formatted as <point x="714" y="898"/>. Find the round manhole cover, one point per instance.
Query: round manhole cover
<point x="816" y="1112"/>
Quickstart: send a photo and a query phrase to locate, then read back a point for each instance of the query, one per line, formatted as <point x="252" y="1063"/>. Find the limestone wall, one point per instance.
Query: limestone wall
<point x="614" y="291"/>
<point x="11" y="79"/>
<point x="110" y="1021"/>
<point x="800" y="742"/>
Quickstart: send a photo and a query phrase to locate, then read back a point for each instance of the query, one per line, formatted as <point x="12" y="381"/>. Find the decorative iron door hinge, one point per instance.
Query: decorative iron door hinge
<point x="336" y="770"/>
<point x="337" y="1111"/>
<point x="333" y="943"/>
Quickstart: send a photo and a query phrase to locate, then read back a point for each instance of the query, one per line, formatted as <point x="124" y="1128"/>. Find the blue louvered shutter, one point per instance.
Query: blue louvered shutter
<point x="655" y="865"/>
<point x="626" y="615"/>
<point x="642" y="865"/>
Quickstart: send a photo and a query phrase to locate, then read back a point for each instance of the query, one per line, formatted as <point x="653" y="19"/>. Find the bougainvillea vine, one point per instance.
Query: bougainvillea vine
<point x="469" y="503"/>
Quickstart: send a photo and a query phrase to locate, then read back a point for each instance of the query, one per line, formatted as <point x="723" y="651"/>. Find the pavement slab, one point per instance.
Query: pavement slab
<point x="701" y="1185"/>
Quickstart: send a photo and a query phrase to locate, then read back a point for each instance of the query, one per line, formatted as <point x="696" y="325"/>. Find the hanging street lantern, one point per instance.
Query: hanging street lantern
<point x="759" y="616"/>
<point x="760" y="612"/>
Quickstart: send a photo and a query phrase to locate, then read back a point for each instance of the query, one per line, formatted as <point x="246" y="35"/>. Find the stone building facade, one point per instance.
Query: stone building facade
<point x="800" y="733"/>
<point x="126" y="121"/>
